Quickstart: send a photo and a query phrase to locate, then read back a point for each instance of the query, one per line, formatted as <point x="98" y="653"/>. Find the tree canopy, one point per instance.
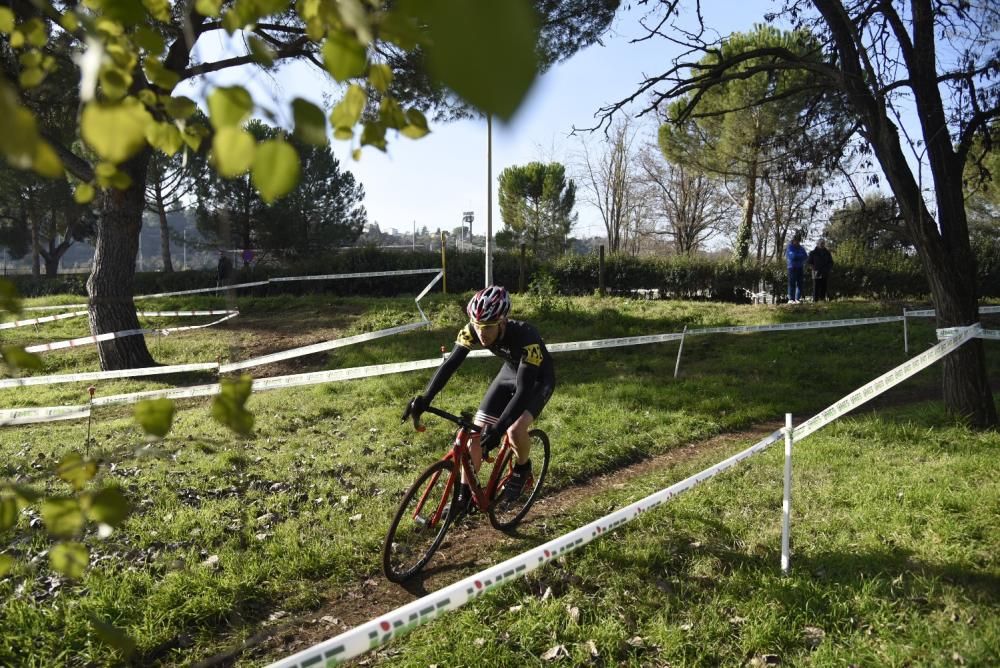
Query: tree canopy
<point x="536" y="204"/>
<point x="322" y="211"/>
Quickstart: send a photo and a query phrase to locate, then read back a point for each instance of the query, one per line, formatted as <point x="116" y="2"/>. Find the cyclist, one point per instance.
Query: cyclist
<point x="516" y="396"/>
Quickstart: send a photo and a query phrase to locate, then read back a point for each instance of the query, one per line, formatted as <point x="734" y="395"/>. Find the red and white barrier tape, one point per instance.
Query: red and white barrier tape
<point x="37" y="321"/>
<point x="107" y="375"/>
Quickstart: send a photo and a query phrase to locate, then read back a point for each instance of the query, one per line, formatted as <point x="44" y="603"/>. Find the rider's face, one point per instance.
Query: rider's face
<point x="488" y="334"/>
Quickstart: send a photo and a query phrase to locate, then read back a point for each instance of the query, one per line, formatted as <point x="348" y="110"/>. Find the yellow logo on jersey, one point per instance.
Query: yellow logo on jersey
<point x="533" y="354"/>
<point x="464" y="338"/>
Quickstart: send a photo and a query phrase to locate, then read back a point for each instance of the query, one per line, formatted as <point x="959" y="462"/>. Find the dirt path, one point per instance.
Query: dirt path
<point x="467" y="548"/>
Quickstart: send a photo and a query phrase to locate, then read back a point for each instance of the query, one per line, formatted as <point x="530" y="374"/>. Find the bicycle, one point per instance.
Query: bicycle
<point x="430" y="505"/>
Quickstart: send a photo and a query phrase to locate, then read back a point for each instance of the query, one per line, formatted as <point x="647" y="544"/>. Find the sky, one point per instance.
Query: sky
<point x="432" y="181"/>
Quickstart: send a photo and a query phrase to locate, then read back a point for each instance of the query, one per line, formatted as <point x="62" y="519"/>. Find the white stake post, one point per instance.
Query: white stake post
<point x="906" y="334"/>
<point x="786" y="506"/>
<point x="677" y="366"/>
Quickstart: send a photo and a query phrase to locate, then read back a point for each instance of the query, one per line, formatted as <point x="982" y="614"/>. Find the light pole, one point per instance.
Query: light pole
<point x="489" y="200"/>
<point x="185" y="249"/>
<point x="468" y="217"/>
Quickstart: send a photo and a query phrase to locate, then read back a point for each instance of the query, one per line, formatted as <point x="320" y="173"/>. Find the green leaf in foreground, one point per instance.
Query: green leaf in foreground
<point x="229" y="106"/>
<point x="6" y="563"/>
<point x="347" y="112"/>
<point x="8" y="512"/>
<point x="275" y="169"/>
<point x="343" y="56"/>
<point x="233" y="150"/>
<point x="228" y="406"/>
<point x="70" y="559"/>
<point x="62" y="515"/>
<point x="484" y="51"/>
<point x="76" y="470"/>
<point x="109" y="506"/>
<point x="155" y="416"/>
<point x="112" y="635"/>
<point x="16" y="358"/>
<point x="116" y="132"/>
<point x="9" y="299"/>
<point x="310" y="123"/>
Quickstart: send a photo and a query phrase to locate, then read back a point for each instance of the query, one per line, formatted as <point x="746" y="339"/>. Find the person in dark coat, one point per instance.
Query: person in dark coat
<point x="224" y="270"/>
<point x="821" y="261"/>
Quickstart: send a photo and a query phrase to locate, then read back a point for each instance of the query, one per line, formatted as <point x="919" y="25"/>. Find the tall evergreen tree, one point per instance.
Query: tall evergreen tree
<point x="324" y="210"/>
<point x="536" y="205"/>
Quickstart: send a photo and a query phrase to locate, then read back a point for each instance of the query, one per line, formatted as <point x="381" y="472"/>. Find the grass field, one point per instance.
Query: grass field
<point x="895" y="517"/>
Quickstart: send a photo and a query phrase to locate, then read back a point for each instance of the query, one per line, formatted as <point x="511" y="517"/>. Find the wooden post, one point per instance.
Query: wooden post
<point x="520" y="274"/>
<point x="600" y="273"/>
<point x="444" y="268"/>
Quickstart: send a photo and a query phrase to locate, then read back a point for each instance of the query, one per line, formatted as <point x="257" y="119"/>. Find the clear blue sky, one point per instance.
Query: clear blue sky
<point x="431" y="181"/>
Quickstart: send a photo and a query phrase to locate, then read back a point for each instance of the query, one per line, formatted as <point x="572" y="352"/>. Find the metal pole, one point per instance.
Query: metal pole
<point x="185" y="248"/>
<point x="786" y="506"/>
<point x="414" y="235"/>
<point x="906" y="334"/>
<point x="600" y="272"/>
<point x="444" y="267"/>
<point x="680" y="349"/>
<point x="489" y="200"/>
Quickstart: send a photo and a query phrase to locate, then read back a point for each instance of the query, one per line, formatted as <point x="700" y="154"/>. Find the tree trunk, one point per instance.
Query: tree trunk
<point x="54" y="255"/>
<point x="168" y="266"/>
<point x="36" y="247"/>
<point x="749" y="204"/>
<point x="112" y="279"/>
<point x="950" y="267"/>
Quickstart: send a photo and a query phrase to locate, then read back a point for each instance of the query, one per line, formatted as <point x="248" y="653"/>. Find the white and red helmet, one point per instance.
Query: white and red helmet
<point x="489" y="305"/>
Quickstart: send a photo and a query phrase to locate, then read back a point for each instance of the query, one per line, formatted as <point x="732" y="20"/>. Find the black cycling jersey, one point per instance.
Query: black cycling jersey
<point x="524" y="353"/>
<point x="520" y="343"/>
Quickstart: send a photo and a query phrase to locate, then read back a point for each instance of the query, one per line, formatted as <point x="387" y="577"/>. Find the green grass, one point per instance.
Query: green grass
<point x="300" y="509"/>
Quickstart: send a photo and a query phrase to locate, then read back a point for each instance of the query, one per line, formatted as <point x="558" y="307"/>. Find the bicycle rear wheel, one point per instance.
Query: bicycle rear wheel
<point x="505" y="514"/>
<point x="421" y="521"/>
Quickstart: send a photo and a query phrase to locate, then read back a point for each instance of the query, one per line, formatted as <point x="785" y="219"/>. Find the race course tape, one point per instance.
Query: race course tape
<point x="87" y="340"/>
<point x="18" y="416"/>
<point x="340" y="343"/>
<point x="319" y="347"/>
<point x="281" y="279"/>
<point x="36" y="321"/>
<point x="105" y="375"/>
<point x="887" y="380"/>
<point x="382" y="629"/>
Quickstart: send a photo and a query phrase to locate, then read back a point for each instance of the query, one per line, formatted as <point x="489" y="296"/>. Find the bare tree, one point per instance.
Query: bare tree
<point x="689" y="206"/>
<point x="784" y="207"/>
<point x="608" y="182"/>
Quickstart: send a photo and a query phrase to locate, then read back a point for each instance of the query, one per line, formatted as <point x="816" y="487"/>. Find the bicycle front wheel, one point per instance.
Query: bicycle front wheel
<point x="421" y="521"/>
<point x="506" y="514"/>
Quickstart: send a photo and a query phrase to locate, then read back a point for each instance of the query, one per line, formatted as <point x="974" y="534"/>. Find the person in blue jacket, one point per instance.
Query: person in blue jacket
<point x="796" y="256"/>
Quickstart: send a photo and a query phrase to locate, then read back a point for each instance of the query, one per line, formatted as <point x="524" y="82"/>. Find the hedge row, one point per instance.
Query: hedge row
<point x="671" y="277"/>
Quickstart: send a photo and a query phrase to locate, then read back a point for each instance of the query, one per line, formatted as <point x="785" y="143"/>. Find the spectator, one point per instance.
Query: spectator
<point x="796" y="256"/>
<point x="224" y="270"/>
<point x="821" y="262"/>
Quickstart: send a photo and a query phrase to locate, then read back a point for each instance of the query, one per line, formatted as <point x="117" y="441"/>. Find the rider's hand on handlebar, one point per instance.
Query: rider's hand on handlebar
<point x="414" y="410"/>
<point x="489" y="438"/>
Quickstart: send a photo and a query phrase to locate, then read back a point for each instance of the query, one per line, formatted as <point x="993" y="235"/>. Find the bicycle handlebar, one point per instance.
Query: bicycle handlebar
<point x="464" y="421"/>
